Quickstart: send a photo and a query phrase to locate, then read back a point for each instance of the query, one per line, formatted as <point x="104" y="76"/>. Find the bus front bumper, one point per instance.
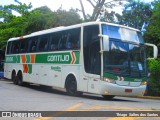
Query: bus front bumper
<point x="118" y="90"/>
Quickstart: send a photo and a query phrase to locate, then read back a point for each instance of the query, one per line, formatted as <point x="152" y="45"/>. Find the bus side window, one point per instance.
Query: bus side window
<point x="54" y="42"/>
<point x="76" y="38"/>
<point x="33" y="44"/>
<point x="9" y="46"/>
<point x="43" y="43"/>
<point x="73" y="39"/>
<point x="23" y="46"/>
<point x="69" y="43"/>
<point x="15" y="47"/>
<point x="62" y="41"/>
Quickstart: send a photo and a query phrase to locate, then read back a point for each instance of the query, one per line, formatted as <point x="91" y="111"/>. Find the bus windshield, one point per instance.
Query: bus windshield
<point x="121" y="33"/>
<point x="125" y="58"/>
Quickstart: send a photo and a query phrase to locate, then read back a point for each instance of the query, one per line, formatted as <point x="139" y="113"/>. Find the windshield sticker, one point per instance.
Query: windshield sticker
<point x="140" y="66"/>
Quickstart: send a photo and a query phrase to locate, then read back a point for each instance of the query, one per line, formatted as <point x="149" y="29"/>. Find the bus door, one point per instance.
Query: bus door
<point x="91" y="51"/>
<point x="94" y="67"/>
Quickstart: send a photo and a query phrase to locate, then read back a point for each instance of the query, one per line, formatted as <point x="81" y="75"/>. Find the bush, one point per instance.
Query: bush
<point x="154" y="80"/>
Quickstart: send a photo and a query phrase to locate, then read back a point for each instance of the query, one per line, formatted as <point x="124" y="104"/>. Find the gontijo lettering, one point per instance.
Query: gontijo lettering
<point x="58" y="58"/>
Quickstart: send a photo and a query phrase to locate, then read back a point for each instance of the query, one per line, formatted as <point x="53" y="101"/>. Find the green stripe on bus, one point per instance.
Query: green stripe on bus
<point x="28" y="58"/>
<point x="12" y="59"/>
<point x="55" y="58"/>
<point x="29" y="68"/>
<point x="111" y="76"/>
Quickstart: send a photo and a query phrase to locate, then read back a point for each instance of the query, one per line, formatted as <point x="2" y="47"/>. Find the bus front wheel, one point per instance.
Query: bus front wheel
<point x="71" y="86"/>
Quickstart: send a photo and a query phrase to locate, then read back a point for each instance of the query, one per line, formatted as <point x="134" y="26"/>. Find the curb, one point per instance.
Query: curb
<point x="144" y="97"/>
<point x="149" y="97"/>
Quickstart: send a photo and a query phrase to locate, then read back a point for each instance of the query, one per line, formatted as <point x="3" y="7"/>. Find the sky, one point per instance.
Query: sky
<point x="55" y="4"/>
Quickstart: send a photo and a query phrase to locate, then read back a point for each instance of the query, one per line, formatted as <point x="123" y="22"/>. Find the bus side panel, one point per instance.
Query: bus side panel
<point x="70" y="69"/>
<point x="7" y="70"/>
<point x="54" y="78"/>
<point x="26" y="77"/>
<point x="9" y="67"/>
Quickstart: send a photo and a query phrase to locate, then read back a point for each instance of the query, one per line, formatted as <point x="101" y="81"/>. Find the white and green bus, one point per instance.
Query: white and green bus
<point x="94" y="57"/>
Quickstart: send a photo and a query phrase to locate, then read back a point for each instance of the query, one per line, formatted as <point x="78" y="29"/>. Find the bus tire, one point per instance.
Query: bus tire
<point x="19" y="78"/>
<point x="108" y="97"/>
<point x="13" y="78"/>
<point x="71" y="86"/>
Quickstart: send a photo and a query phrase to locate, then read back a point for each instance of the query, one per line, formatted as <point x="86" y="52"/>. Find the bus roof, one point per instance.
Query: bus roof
<point x="56" y="29"/>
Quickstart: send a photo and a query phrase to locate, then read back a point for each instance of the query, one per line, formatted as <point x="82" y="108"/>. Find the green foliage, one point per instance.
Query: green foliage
<point x="11" y="29"/>
<point x="6" y="11"/>
<point x="152" y="35"/>
<point x="65" y="18"/>
<point x="39" y="19"/>
<point x="32" y="21"/>
<point x="154" y="80"/>
<point x="135" y="14"/>
<point x="12" y="26"/>
<point x="43" y="18"/>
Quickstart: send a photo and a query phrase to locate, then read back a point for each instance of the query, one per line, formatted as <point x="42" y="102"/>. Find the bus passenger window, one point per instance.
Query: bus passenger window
<point x="15" y="47"/>
<point x="69" y="44"/>
<point x="54" y="42"/>
<point x="73" y="39"/>
<point x="43" y="43"/>
<point x="23" y="46"/>
<point x="9" y="46"/>
<point x="62" y="42"/>
<point x="78" y="44"/>
<point x="33" y="45"/>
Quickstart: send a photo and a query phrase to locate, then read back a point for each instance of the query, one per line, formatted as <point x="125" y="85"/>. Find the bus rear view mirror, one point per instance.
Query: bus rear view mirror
<point x="105" y="42"/>
<point x="155" y="50"/>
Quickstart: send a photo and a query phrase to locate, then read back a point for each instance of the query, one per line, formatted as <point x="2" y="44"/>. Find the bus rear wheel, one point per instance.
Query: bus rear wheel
<point x="14" y="77"/>
<point x="108" y="97"/>
<point x="71" y="86"/>
<point x="19" y="78"/>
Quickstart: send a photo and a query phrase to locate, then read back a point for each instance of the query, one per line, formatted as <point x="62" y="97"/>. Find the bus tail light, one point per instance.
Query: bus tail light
<point x="109" y="80"/>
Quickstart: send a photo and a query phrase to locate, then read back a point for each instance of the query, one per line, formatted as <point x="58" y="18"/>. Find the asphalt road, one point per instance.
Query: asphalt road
<point x="39" y="98"/>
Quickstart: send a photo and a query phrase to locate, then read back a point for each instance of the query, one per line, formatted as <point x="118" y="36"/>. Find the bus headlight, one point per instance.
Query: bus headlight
<point x="109" y="80"/>
<point x="144" y="83"/>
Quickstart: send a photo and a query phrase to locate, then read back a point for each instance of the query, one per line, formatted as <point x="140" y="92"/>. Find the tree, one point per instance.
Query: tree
<point x="98" y="6"/>
<point x="65" y="18"/>
<point x="152" y="35"/>
<point x="11" y="29"/>
<point x="43" y="18"/>
<point x="6" y="11"/>
<point x="136" y="14"/>
<point x="154" y="80"/>
<point x="12" y="26"/>
<point x="32" y="21"/>
<point x="39" y="19"/>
